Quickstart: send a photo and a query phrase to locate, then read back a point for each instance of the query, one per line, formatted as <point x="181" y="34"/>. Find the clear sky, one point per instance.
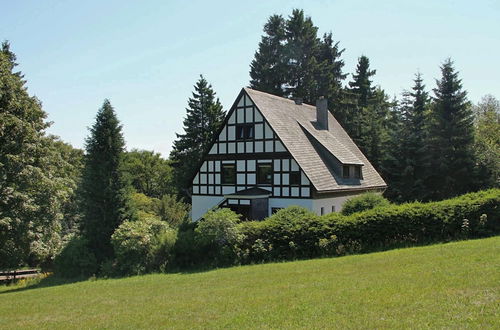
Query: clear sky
<point x="145" y="56"/>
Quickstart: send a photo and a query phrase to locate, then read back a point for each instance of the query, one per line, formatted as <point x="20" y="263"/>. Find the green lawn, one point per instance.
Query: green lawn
<point x="455" y="285"/>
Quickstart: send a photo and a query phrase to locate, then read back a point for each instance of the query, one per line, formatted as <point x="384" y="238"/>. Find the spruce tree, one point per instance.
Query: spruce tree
<point x="293" y="62"/>
<point x="105" y="192"/>
<point x="204" y="116"/>
<point x="361" y="85"/>
<point x="267" y="69"/>
<point x="449" y="144"/>
<point x="405" y="163"/>
<point x="301" y="56"/>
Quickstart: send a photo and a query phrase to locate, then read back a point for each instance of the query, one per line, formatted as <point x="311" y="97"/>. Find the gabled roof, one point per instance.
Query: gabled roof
<point x="295" y="126"/>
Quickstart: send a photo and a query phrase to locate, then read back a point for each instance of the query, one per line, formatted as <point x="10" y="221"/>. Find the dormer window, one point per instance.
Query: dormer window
<point x="357" y="172"/>
<point x="244" y="131"/>
<point x="345" y="171"/>
<point x="352" y="172"/>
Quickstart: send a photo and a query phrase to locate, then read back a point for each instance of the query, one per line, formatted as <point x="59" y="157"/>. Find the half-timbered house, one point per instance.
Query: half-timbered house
<point x="274" y="152"/>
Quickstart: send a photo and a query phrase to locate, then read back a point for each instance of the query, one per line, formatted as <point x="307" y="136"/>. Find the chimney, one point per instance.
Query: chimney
<point x="322" y="113"/>
<point x="298" y="100"/>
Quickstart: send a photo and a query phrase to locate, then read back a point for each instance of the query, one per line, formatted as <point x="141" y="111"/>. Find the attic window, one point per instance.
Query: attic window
<point x="345" y="171"/>
<point x="244" y="131"/>
<point x="357" y="172"/>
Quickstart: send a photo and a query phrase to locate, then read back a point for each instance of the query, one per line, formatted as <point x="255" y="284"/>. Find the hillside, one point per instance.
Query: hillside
<point x="446" y="285"/>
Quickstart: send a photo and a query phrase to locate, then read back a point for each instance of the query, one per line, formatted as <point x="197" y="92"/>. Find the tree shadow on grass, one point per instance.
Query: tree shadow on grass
<point x="39" y="283"/>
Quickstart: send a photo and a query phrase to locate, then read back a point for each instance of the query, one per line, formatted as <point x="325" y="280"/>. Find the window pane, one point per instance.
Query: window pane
<point x="264" y="173"/>
<point x="358" y="172"/>
<point x="345" y="171"/>
<point x="294" y="178"/>
<point x="228" y="174"/>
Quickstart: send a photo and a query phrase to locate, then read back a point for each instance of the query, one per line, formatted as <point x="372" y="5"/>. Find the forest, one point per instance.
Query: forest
<point x="91" y="211"/>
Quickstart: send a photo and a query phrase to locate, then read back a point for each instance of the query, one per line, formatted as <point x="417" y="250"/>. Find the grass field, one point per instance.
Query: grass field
<point x="455" y="285"/>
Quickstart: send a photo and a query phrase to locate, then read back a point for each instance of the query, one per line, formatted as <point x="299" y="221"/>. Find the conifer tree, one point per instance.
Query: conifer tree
<point x="293" y="62"/>
<point x="450" y="138"/>
<point x="204" y="117"/>
<point x="267" y="70"/>
<point x="301" y="55"/>
<point x="405" y="162"/>
<point x="105" y="192"/>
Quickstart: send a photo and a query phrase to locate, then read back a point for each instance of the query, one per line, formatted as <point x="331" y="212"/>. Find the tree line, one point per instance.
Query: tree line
<point x="54" y="196"/>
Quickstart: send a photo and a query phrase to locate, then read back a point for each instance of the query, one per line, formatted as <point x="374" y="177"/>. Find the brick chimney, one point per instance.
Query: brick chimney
<point x="322" y="113"/>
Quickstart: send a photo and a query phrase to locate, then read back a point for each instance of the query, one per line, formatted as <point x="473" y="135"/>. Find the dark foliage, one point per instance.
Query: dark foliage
<point x="104" y="190"/>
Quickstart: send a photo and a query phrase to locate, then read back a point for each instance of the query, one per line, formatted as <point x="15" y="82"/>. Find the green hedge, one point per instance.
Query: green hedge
<point x="297" y="233"/>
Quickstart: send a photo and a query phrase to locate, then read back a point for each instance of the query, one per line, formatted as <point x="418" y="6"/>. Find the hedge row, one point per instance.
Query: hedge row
<point x="297" y="233"/>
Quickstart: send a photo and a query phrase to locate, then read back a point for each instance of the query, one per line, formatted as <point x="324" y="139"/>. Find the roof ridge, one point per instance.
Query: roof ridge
<point x="278" y="97"/>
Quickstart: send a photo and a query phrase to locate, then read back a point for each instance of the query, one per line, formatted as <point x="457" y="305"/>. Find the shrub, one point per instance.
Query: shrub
<point x="76" y="260"/>
<point x="364" y="202"/>
<point x="143" y="246"/>
<point x="171" y="210"/>
<point x="297" y="233"/>
<point x="217" y="233"/>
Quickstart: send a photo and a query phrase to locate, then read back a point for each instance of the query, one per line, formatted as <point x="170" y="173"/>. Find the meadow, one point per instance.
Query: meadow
<point x="452" y="285"/>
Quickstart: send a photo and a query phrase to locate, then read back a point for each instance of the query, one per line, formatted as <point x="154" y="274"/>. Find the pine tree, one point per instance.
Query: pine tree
<point x="361" y="85"/>
<point x="105" y="192"/>
<point x="204" y="116"/>
<point x="450" y="138"/>
<point x="301" y="55"/>
<point x="405" y="163"/>
<point x="293" y="62"/>
<point x="33" y="185"/>
<point x="267" y="69"/>
<point x="330" y="75"/>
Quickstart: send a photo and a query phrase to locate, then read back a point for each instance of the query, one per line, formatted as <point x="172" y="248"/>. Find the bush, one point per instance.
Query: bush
<point x="76" y="260"/>
<point x="143" y="246"/>
<point x="364" y="202"/>
<point x="217" y="234"/>
<point x="297" y="233"/>
<point x="173" y="211"/>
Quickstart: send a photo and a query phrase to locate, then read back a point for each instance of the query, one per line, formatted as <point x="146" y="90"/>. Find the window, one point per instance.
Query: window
<point x="264" y="174"/>
<point x="345" y="171"/>
<point x="357" y="172"/>
<point x="228" y="174"/>
<point x="244" y="132"/>
<point x="295" y="178"/>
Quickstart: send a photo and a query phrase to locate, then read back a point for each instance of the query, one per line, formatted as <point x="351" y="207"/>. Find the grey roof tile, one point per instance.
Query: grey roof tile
<point x="293" y="123"/>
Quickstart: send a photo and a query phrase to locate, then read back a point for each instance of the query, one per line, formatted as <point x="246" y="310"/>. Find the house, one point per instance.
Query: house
<point x="274" y="152"/>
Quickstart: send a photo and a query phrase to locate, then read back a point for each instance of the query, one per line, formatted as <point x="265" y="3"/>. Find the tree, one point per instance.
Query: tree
<point x="450" y="138"/>
<point x="360" y="95"/>
<point x="293" y="62"/>
<point x="204" y="116"/>
<point x="105" y="192"/>
<point x="405" y="164"/>
<point x="487" y="141"/>
<point x="34" y="185"/>
<point x="149" y="173"/>
<point x="267" y="69"/>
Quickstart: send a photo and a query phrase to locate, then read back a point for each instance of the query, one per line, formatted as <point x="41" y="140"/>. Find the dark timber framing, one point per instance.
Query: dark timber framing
<point x="208" y="179"/>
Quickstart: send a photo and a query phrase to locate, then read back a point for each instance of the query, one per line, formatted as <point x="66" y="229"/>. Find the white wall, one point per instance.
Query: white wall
<point x="285" y="202"/>
<point x="327" y="204"/>
<point x="201" y="204"/>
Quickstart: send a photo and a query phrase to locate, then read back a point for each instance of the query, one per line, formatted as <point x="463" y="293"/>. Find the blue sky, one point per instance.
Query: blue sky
<point x="145" y="56"/>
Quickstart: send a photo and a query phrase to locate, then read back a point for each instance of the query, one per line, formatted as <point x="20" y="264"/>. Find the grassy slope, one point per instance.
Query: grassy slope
<point x="447" y="285"/>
